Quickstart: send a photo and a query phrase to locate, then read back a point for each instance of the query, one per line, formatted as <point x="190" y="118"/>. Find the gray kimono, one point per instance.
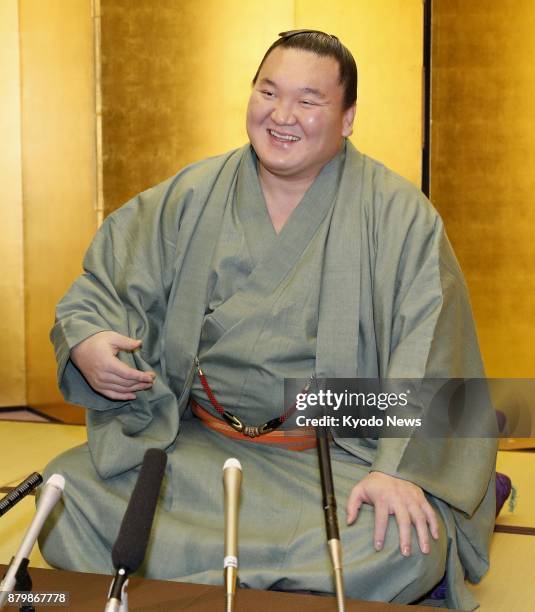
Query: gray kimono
<point x="361" y="281"/>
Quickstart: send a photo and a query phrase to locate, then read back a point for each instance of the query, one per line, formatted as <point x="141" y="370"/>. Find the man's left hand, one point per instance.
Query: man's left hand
<point x="404" y="499"/>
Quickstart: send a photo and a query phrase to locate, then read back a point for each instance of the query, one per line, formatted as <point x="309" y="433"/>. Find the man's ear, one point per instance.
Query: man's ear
<point x="347" y="122"/>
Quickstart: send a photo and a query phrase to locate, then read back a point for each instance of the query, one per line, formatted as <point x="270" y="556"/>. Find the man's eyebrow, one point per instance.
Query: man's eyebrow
<point x="314" y="92"/>
<point x="264" y="81"/>
<point x="305" y="90"/>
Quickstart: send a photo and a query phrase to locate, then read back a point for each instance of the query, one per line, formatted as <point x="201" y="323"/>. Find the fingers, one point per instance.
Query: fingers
<point x="424" y="520"/>
<point x="120" y="370"/>
<point x="96" y="358"/>
<point x="123" y="371"/>
<point x="405" y="500"/>
<point x="119" y="388"/>
<point x="124" y="343"/>
<point x="116" y="387"/>
<point x="381" y="524"/>
<point x="128" y="378"/>
<point x="403" y="520"/>
<point x="117" y="396"/>
<point x="432" y="520"/>
<point x="120" y="391"/>
<point x="420" y="522"/>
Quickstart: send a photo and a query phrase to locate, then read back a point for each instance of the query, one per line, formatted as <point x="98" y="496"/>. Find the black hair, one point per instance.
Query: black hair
<point x="324" y="45"/>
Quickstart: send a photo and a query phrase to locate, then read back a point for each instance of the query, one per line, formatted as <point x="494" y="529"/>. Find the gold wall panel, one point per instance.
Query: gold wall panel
<point x="176" y="78"/>
<point x="386" y="38"/>
<point x="12" y="367"/>
<point x="58" y="168"/>
<point x="482" y="166"/>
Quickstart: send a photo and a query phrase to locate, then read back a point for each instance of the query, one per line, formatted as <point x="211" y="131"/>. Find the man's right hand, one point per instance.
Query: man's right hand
<point x="96" y="358"/>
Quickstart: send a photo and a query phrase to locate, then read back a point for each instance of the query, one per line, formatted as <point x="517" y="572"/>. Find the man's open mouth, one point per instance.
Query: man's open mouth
<point x="283" y="137"/>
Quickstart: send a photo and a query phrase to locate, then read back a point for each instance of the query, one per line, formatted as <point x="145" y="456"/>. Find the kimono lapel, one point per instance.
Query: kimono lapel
<point x="275" y="255"/>
<point x="338" y="326"/>
<point x="188" y="296"/>
<point x="252" y="211"/>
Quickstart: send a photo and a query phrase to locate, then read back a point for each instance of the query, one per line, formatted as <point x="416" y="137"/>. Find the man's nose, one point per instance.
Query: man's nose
<point x="283" y="113"/>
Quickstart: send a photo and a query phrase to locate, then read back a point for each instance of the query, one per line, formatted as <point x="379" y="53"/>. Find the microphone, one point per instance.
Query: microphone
<point x="129" y="549"/>
<point x="232" y="476"/>
<point x="49" y="498"/>
<point x="329" y="509"/>
<point x="19" y="492"/>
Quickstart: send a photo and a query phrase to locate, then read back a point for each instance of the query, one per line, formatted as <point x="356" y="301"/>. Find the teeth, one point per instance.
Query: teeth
<point x="283" y="136"/>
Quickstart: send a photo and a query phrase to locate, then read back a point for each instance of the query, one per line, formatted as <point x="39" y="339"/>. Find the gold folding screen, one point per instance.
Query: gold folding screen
<point x="483" y="166"/>
<point x="58" y="169"/>
<point x="176" y="78"/>
<point x="12" y="361"/>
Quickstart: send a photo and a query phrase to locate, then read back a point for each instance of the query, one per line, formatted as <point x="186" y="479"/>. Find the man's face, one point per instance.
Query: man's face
<point x="295" y="117"/>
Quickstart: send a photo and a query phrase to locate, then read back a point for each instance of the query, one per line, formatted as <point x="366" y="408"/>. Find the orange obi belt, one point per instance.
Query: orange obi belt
<point x="300" y="439"/>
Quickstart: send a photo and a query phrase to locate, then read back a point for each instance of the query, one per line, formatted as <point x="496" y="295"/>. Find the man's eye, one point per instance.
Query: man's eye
<point x="268" y="94"/>
<point x="308" y="103"/>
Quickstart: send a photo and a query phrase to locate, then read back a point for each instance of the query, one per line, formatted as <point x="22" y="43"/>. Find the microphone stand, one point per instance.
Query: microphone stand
<point x="329" y="509"/>
<point x="24" y="583"/>
<point x="118" y="595"/>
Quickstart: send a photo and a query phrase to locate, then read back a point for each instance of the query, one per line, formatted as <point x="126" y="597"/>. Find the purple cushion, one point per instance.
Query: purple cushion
<point x="503" y="490"/>
<point x="501" y="420"/>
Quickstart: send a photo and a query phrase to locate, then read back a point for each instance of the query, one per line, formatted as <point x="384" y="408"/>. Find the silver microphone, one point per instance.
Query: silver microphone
<point x="232" y="476"/>
<point x="50" y="496"/>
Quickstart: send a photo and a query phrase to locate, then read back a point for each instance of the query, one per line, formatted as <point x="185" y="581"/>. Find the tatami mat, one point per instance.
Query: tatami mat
<point x="520" y="467"/>
<point x="28" y="447"/>
<point x="508" y="586"/>
<point x="13" y="526"/>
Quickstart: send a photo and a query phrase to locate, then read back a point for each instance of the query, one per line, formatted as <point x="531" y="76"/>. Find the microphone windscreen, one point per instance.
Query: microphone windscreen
<point x="232" y="463"/>
<point x="56" y="480"/>
<point x="19" y="492"/>
<point x="129" y="548"/>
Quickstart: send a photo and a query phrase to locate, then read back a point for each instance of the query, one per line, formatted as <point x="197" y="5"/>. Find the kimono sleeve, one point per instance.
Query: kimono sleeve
<point x="426" y="330"/>
<point x="128" y="271"/>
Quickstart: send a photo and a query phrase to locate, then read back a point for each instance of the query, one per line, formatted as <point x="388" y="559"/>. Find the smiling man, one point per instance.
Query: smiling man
<point x="293" y="256"/>
<point x="296" y="120"/>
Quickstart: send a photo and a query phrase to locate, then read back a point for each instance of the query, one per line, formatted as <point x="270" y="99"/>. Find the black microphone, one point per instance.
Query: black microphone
<point x="329" y="509"/>
<point x="129" y="549"/>
<point x="19" y="492"/>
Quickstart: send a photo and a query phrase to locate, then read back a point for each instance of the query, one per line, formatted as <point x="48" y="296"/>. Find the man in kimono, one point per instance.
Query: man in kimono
<point x="293" y="256"/>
